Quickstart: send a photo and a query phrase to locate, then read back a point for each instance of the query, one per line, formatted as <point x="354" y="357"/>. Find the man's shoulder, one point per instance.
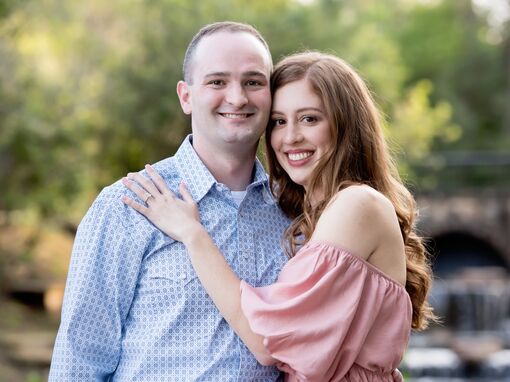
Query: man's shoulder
<point x="108" y="202"/>
<point x="166" y="168"/>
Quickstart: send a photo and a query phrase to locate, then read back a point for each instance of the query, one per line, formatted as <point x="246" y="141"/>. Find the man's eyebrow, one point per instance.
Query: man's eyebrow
<point x="217" y="74"/>
<point x="251" y="73"/>
<point x="254" y="73"/>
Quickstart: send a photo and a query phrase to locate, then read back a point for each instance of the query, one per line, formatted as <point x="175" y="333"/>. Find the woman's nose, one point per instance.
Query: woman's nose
<point x="293" y="134"/>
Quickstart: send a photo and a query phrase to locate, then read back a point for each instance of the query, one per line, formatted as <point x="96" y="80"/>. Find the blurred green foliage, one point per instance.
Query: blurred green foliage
<point x="87" y="89"/>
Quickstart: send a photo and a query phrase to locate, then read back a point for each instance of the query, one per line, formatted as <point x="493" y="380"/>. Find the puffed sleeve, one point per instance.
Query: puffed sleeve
<point x="315" y="318"/>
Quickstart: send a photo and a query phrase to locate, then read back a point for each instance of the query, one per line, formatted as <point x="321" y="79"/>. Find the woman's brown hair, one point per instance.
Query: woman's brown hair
<point x="358" y="155"/>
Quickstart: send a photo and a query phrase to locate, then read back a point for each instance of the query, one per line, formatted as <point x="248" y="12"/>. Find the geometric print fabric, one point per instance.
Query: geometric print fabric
<point x="134" y="309"/>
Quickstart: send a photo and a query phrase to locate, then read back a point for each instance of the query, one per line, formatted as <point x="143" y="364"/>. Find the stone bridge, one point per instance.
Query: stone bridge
<point x="470" y="227"/>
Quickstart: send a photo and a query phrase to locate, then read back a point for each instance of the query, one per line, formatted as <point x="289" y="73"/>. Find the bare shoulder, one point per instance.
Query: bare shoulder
<point x="359" y="219"/>
<point x="362" y="197"/>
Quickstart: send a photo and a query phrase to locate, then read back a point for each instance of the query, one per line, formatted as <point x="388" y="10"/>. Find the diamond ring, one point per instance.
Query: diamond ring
<point x="149" y="195"/>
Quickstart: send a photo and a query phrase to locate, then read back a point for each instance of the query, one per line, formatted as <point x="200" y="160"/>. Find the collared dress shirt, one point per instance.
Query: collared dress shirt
<point x="134" y="309"/>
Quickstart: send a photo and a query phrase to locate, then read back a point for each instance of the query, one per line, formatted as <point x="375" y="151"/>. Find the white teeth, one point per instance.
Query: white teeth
<point x="300" y="156"/>
<point x="234" y="116"/>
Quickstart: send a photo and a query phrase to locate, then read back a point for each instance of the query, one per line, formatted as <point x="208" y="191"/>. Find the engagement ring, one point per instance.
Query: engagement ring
<point x="148" y="197"/>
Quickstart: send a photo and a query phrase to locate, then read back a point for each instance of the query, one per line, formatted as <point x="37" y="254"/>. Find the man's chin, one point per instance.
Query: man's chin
<point x="242" y="136"/>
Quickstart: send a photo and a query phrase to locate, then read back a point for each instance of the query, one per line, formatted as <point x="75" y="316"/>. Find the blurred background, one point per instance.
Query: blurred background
<point x="87" y="93"/>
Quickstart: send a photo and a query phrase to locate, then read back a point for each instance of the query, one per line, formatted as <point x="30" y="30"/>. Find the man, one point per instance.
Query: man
<point x="134" y="309"/>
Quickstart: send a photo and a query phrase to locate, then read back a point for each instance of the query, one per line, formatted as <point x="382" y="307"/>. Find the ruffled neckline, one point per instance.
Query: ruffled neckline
<point x="348" y="253"/>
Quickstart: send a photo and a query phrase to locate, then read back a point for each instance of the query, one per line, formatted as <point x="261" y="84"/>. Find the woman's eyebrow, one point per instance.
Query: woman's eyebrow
<point x="300" y="110"/>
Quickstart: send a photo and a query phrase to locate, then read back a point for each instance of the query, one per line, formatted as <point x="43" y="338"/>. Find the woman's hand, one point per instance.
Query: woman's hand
<point x="178" y="218"/>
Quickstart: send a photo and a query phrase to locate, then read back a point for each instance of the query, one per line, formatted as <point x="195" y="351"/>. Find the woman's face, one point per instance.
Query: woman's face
<point x="301" y="134"/>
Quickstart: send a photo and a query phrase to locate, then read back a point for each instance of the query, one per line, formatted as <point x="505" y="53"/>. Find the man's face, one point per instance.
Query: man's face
<point x="229" y="99"/>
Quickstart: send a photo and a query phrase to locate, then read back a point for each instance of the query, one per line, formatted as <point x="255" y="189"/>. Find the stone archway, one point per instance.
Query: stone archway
<point x="454" y="251"/>
<point x="483" y="215"/>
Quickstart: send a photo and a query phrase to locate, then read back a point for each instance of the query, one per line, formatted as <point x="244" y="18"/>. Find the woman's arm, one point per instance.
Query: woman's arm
<point x="179" y="218"/>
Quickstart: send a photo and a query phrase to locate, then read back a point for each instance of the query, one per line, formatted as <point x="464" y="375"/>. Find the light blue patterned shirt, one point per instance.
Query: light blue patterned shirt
<point x="134" y="309"/>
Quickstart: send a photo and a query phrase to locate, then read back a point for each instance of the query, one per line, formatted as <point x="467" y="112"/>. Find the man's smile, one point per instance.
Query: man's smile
<point x="236" y="115"/>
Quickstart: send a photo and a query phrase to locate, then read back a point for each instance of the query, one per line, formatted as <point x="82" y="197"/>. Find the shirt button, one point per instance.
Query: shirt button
<point x="183" y="276"/>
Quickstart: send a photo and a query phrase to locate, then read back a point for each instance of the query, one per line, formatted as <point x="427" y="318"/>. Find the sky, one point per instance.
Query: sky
<point x="499" y="10"/>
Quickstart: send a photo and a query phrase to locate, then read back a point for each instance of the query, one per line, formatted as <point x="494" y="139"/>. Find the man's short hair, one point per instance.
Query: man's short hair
<point x="209" y="29"/>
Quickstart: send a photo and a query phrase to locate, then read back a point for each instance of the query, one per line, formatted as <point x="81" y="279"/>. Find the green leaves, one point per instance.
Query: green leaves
<point x="87" y="89"/>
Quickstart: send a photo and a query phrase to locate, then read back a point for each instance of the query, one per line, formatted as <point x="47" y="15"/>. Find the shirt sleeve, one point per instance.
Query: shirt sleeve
<point x="315" y="318"/>
<point x="100" y="286"/>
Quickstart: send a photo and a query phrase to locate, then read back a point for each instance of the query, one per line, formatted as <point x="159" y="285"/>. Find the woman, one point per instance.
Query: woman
<point x="343" y="306"/>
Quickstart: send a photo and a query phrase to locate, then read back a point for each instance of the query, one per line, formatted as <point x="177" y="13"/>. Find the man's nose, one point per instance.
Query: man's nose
<point x="236" y="95"/>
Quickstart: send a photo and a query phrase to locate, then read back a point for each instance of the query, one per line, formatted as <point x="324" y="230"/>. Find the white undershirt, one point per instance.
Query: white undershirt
<point x="238" y="196"/>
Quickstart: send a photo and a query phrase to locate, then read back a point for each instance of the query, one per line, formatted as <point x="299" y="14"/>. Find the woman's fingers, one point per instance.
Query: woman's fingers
<point x="147" y="184"/>
<point x="158" y="180"/>
<point x="186" y="196"/>
<point x="188" y="199"/>
<point x="139" y="191"/>
<point x="136" y="206"/>
<point x="171" y="214"/>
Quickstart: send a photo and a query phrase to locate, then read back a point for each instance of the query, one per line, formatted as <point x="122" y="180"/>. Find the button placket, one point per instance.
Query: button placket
<point x="246" y="256"/>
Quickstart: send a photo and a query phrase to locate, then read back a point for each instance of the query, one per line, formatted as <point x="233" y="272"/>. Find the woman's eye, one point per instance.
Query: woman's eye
<point x="278" y="122"/>
<point x="309" y="119"/>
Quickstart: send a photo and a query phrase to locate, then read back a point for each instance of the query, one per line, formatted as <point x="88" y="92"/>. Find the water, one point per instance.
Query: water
<point x="473" y="341"/>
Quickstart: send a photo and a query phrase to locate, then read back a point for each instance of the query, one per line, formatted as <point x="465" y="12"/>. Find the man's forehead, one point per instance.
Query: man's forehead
<point x="233" y="47"/>
<point x="248" y="73"/>
<point x="222" y="36"/>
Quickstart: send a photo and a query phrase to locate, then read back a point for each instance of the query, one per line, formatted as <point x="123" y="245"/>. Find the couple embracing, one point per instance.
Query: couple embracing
<point x="203" y="268"/>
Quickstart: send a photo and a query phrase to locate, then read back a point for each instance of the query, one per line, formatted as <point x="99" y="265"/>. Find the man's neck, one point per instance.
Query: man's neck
<point x="233" y="169"/>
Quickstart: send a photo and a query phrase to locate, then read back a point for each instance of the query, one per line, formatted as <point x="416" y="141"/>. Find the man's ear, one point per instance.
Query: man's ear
<point x="184" y="93"/>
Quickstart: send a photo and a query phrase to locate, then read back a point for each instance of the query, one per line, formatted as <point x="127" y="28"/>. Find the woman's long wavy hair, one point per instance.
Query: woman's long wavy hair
<point x="358" y="155"/>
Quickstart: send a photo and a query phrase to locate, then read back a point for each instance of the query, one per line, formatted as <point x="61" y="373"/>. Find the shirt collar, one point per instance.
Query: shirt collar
<point x="199" y="179"/>
<point x="260" y="178"/>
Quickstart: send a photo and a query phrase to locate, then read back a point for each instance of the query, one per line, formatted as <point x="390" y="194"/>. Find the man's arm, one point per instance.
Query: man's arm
<point x="100" y="286"/>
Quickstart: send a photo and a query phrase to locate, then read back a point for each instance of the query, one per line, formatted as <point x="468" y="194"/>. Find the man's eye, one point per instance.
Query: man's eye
<point x="253" y="83"/>
<point x="216" y="82"/>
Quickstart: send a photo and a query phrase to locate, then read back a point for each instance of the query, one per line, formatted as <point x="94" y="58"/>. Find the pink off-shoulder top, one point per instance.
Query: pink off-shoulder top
<point x="331" y="316"/>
